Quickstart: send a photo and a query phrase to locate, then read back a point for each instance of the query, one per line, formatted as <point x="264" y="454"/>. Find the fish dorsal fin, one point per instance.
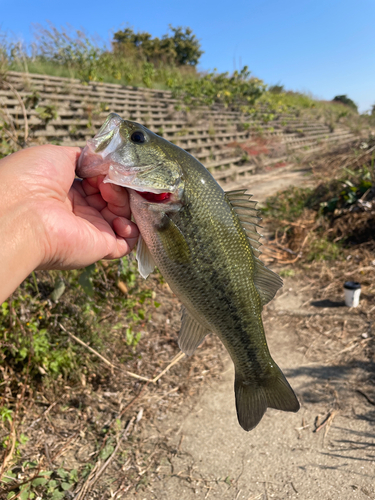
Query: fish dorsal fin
<point x="146" y="263"/>
<point x="266" y="281"/>
<point x="248" y="216"/>
<point x="192" y="333"/>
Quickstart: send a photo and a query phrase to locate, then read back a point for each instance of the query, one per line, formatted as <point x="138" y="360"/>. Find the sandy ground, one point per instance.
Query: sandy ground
<point x="284" y="457"/>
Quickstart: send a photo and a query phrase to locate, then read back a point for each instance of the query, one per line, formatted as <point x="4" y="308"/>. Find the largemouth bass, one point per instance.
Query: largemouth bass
<point x="206" y="245"/>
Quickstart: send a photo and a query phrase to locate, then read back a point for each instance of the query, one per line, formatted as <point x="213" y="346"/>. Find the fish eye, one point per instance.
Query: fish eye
<point x="138" y="137"/>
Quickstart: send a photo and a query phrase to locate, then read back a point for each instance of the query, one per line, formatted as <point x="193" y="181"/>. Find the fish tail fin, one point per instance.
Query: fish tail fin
<point x="254" y="397"/>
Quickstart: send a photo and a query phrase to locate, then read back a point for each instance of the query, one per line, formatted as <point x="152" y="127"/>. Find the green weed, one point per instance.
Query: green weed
<point x="348" y="191"/>
<point x="47" y="112"/>
<point x="29" y="482"/>
<point x="238" y="89"/>
<point x="323" y="249"/>
<point x="338" y="193"/>
<point x="33" y="341"/>
<point x="6" y="414"/>
<point x="287" y="273"/>
<point x="289" y="204"/>
<point x="135" y="58"/>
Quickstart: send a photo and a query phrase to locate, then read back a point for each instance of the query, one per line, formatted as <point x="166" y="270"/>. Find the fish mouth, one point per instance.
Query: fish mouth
<point x="142" y="190"/>
<point x="155" y="197"/>
<point x="128" y="179"/>
<point x="149" y="193"/>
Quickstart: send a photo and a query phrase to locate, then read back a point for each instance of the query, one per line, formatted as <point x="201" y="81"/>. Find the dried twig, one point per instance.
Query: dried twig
<point x="9" y="455"/>
<point x="175" y="360"/>
<point x="352" y="345"/>
<point x="65" y="446"/>
<point x="48" y="456"/>
<point x="355" y="160"/>
<point x="371" y="401"/>
<point x="12" y="436"/>
<point x="106" y="361"/>
<point x="327" y="422"/>
<point x="19" y="98"/>
<point x="82" y="491"/>
<point x="129" y="405"/>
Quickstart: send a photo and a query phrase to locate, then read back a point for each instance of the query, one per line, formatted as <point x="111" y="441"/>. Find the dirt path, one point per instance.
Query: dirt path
<point x="284" y="457"/>
<point x="264" y="185"/>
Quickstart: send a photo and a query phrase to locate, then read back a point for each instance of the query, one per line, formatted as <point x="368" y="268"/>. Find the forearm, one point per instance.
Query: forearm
<point x="19" y="252"/>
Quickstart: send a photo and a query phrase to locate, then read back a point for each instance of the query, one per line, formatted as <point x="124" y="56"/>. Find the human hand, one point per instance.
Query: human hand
<point x="64" y="223"/>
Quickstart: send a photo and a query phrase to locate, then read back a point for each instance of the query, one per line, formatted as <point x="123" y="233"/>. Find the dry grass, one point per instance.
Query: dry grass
<point x="95" y="425"/>
<point x="307" y="228"/>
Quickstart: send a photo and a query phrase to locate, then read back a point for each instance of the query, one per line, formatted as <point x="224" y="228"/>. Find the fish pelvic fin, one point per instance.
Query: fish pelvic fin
<point x="146" y="263"/>
<point x="254" y="397"/>
<point x="192" y="333"/>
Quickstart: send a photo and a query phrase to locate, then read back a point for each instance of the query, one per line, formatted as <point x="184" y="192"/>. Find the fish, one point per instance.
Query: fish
<point x="205" y="242"/>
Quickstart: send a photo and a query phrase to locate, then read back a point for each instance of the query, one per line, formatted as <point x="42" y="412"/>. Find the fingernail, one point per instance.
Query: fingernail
<point x="117" y="188"/>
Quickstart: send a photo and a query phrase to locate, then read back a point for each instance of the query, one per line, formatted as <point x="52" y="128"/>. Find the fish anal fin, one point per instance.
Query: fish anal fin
<point x="146" y="263"/>
<point x="192" y="333"/>
<point x="253" y="398"/>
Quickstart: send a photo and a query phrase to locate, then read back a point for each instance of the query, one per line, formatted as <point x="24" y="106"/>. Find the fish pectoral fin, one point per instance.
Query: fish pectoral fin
<point x="266" y="281"/>
<point x="173" y="241"/>
<point x="146" y="263"/>
<point x="254" y="397"/>
<point x="192" y="333"/>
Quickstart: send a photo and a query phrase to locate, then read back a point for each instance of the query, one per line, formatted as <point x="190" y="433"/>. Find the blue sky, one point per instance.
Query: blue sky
<point x="322" y="47"/>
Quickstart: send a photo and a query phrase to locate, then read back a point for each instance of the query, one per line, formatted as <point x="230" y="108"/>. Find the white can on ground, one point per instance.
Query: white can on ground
<point x="352" y="290"/>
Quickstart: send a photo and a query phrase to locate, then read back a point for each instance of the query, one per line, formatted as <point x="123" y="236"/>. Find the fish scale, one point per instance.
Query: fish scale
<point x="205" y="243"/>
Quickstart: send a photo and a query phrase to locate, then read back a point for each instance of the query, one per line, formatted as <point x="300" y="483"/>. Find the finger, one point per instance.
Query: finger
<point x="90" y="185"/>
<point x="89" y="195"/>
<point x="55" y="163"/>
<point x="73" y="152"/>
<point x="61" y="162"/>
<point x="120" y="211"/>
<point x="76" y="196"/>
<point x="120" y="248"/>
<point x="116" y="195"/>
<point x="125" y="228"/>
<point x="88" y="213"/>
<point x="131" y="243"/>
<point x="78" y="187"/>
<point x="108" y="216"/>
<point x="96" y="201"/>
<point x="94" y="182"/>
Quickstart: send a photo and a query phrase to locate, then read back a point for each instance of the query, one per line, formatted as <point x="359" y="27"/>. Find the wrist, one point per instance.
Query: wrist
<point x="20" y="250"/>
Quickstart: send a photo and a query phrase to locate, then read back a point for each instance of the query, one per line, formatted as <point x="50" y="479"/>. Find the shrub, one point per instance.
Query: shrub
<point x="182" y="48"/>
<point x="344" y="99"/>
